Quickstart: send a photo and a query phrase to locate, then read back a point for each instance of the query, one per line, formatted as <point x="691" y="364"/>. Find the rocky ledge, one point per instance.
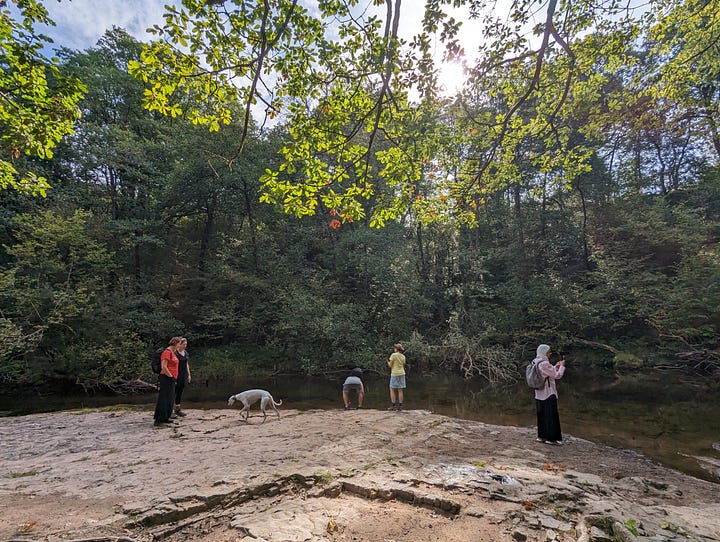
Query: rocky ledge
<point x="361" y="475"/>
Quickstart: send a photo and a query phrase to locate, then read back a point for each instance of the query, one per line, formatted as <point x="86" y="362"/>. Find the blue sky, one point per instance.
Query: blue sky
<point x="81" y="23"/>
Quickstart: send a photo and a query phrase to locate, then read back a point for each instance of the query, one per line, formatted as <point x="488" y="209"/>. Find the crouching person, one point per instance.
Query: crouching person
<point x="353" y="382"/>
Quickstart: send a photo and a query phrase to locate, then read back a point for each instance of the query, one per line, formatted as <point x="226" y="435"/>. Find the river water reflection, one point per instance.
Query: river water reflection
<point x="657" y="414"/>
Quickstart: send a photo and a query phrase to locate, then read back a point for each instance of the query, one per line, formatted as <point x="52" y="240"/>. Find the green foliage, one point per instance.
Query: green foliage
<point x="632" y="526"/>
<point x="38" y="105"/>
<point x="656" y="269"/>
<point x="58" y="271"/>
<point x="313" y="331"/>
<point x="627" y="360"/>
<point x="232" y="360"/>
<point x="330" y="159"/>
<point x="683" y="35"/>
<point x="13" y="342"/>
<point x="98" y="360"/>
<point x="673" y="528"/>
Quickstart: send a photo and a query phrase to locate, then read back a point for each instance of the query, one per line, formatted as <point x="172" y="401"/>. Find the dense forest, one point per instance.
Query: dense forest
<point x="594" y="230"/>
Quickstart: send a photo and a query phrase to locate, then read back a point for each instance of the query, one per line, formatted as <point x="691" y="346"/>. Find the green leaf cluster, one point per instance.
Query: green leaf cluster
<point x="38" y="105"/>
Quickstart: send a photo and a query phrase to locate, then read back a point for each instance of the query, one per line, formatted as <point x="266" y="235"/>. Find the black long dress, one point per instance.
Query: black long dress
<point x="166" y="398"/>
<point x="548" y="419"/>
<point x="182" y="375"/>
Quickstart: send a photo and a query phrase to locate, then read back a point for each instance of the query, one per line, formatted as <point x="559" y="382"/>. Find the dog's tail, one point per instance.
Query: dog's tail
<point x="277" y="404"/>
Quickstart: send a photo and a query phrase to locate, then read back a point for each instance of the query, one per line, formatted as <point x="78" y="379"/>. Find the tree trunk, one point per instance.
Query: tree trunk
<point x="710" y="114"/>
<point x="206" y="238"/>
<point x="113" y="186"/>
<point x="583" y="203"/>
<point x="251" y="221"/>
<point x="422" y="262"/>
<point x="517" y="208"/>
<point x="136" y="263"/>
<point x="661" y="161"/>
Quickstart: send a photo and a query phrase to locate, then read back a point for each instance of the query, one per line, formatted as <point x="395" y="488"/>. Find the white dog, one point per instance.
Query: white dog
<point x="250" y="397"/>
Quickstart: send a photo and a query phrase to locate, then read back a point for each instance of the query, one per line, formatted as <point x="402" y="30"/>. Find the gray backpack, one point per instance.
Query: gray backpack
<point x="533" y="377"/>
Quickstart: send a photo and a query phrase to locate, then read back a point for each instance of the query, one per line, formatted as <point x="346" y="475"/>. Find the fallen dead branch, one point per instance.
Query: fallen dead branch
<point x="705" y="362"/>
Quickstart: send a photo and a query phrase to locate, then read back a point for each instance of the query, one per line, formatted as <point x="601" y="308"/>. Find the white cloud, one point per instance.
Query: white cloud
<point x="81" y="23"/>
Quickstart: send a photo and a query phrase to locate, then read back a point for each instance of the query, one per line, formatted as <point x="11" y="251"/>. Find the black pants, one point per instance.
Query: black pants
<point x="179" y="387"/>
<point x="548" y="419"/>
<point x="166" y="399"/>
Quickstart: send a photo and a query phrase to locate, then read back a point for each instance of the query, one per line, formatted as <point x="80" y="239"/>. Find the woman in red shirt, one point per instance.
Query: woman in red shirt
<point x="166" y="382"/>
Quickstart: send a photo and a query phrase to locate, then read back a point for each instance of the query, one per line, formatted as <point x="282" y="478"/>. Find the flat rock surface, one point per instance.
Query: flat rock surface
<point x="360" y="475"/>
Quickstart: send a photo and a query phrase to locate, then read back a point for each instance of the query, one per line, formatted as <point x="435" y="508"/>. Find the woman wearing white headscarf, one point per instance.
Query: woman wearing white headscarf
<point x="548" y="419"/>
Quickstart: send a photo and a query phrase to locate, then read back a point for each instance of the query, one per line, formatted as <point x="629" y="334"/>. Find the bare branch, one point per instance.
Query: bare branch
<point x="265" y="48"/>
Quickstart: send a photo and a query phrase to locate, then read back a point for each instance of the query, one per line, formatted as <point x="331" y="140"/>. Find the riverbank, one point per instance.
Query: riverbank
<point x="674" y="422"/>
<point x="364" y="475"/>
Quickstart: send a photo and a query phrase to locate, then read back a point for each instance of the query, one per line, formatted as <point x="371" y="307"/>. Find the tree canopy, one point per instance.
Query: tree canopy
<point x="369" y="133"/>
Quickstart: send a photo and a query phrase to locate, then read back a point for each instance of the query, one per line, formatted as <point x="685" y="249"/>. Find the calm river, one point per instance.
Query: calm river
<point x="657" y="414"/>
